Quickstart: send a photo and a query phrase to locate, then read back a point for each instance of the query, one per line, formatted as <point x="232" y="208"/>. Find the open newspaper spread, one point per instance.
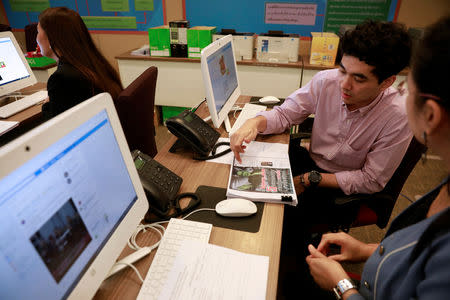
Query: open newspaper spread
<point x="264" y="175"/>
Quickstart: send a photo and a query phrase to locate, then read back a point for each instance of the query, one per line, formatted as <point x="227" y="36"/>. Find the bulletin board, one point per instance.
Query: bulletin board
<point x="109" y="15"/>
<point x="253" y="15"/>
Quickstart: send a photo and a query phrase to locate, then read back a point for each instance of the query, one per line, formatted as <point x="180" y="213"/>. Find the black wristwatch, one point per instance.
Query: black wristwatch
<point x="314" y="178"/>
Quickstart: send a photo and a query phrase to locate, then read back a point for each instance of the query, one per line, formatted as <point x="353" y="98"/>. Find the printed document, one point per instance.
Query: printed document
<point x="205" y="271"/>
<point x="264" y="174"/>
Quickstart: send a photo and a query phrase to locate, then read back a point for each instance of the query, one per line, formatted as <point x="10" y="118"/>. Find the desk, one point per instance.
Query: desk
<point x="32" y="112"/>
<point x="266" y="242"/>
<point x="180" y="81"/>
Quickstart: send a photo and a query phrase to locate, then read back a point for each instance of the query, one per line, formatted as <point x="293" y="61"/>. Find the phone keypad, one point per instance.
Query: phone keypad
<point x="168" y="181"/>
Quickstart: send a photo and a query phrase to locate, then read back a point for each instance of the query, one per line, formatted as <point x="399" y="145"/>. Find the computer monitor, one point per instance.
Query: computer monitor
<point x="15" y="72"/>
<point x="70" y="197"/>
<point x="220" y="79"/>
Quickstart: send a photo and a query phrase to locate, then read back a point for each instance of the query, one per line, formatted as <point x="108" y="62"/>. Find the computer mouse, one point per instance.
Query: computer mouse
<point x="236" y="207"/>
<point x="269" y="100"/>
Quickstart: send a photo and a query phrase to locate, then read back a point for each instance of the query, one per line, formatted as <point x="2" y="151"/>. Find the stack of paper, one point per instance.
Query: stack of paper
<point x="204" y="271"/>
<point x="6" y="126"/>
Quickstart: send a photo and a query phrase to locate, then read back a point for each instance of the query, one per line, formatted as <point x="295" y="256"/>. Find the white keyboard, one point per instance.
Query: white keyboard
<point x="21" y="104"/>
<point x="177" y="231"/>
<point x="249" y="111"/>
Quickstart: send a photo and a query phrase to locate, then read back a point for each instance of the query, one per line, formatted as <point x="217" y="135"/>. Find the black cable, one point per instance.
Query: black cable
<point x="407" y="198"/>
<point x="213" y="152"/>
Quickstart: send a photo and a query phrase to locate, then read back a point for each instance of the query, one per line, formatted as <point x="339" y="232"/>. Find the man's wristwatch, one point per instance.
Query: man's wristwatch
<point x="314" y="178"/>
<point x="343" y="286"/>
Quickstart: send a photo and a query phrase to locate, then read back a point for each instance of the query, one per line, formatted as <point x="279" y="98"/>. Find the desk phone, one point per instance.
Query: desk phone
<point x="160" y="184"/>
<point x="192" y="130"/>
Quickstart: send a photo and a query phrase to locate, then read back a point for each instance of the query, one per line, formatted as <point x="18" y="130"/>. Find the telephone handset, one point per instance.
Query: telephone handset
<point x="160" y="184"/>
<point x="193" y="131"/>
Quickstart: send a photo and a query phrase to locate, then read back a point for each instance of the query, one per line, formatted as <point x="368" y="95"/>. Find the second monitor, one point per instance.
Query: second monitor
<point x="220" y="79"/>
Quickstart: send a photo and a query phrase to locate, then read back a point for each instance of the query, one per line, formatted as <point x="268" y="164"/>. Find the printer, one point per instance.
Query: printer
<point x="242" y="41"/>
<point x="277" y="47"/>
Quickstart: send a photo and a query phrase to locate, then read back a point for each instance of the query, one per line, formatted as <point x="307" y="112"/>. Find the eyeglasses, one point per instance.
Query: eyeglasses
<point x="432" y="97"/>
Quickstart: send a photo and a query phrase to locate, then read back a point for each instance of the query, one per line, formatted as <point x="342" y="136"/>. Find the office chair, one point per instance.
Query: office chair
<point x="374" y="208"/>
<point x="30" y="36"/>
<point x="377" y="208"/>
<point x="5" y="27"/>
<point x="135" y="107"/>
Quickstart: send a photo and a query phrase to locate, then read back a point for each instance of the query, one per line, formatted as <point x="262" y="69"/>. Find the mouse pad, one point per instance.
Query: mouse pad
<point x="255" y="100"/>
<point x="209" y="197"/>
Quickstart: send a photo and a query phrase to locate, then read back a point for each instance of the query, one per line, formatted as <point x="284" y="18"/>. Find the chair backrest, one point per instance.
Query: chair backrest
<point x="30" y="36"/>
<point x="383" y="208"/>
<point x="135" y="107"/>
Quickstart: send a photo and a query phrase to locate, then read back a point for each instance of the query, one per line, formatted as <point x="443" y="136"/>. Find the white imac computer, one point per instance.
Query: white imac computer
<point x="220" y="79"/>
<point x="70" y="197"/>
<point x="15" y="72"/>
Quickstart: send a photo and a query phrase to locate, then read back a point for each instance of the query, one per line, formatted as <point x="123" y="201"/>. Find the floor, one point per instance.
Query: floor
<point x="422" y="179"/>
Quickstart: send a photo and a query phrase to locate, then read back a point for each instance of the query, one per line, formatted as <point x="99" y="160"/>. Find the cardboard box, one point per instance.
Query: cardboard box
<point x="324" y="48"/>
<point x="41" y="61"/>
<point x="282" y="48"/>
<point x="159" y="39"/>
<point x="243" y="44"/>
<point x="199" y="37"/>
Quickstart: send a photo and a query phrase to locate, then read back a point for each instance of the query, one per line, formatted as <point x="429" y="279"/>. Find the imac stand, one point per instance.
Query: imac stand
<point x="227" y="124"/>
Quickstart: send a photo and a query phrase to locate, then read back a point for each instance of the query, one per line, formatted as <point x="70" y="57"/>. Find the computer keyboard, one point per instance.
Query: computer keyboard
<point x="249" y="111"/>
<point x="177" y="231"/>
<point x="21" y="104"/>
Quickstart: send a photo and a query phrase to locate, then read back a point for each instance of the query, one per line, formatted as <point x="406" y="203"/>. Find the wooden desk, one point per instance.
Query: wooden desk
<point x="266" y="242"/>
<point x="180" y="80"/>
<point x="32" y="112"/>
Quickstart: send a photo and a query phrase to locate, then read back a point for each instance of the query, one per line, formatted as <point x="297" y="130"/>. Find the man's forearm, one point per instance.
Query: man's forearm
<point x="261" y="123"/>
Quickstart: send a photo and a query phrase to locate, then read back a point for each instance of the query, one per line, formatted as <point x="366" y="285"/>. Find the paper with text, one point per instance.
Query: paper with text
<point x="204" y="271"/>
<point x="264" y="174"/>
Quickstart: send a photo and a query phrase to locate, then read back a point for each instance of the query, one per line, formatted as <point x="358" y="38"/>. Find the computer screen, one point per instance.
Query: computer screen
<point x="15" y="73"/>
<point x="220" y="79"/>
<point x="69" y="201"/>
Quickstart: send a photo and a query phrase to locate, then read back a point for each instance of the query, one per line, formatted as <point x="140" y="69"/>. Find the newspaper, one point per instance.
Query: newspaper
<point x="264" y="175"/>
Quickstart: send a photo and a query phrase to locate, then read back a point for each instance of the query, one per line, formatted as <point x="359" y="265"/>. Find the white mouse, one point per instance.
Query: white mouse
<point x="236" y="207"/>
<point x="269" y="100"/>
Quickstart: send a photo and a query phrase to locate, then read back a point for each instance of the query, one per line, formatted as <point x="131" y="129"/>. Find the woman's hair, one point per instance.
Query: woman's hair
<point x="431" y="63"/>
<point x="71" y="42"/>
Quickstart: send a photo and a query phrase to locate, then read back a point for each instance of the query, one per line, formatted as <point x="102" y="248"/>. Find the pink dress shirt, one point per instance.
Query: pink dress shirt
<point x="363" y="148"/>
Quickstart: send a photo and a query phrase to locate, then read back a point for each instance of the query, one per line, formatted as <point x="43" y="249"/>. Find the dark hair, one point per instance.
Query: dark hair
<point x="71" y="42"/>
<point x="384" y="45"/>
<point x="431" y="62"/>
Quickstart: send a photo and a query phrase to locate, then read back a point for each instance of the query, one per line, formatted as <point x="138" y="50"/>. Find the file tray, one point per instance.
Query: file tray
<point x="209" y="197"/>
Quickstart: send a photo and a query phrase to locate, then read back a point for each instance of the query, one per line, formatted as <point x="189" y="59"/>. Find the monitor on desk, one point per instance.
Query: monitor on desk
<point x="70" y="197"/>
<point x="220" y="79"/>
<point x="15" y="72"/>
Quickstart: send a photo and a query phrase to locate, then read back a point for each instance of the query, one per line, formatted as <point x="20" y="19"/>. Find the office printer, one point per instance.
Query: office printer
<point x="276" y="46"/>
<point x="243" y="42"/>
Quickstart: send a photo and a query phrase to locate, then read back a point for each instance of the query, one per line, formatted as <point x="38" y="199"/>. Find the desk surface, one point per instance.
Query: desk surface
<point x="250" y="62"/>
<point x="303" y="61"/>
<point x="267" y="241"/>
<point x="33" y="111"/>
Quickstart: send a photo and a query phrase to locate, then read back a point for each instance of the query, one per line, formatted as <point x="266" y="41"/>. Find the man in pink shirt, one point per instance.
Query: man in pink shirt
<point x="360" y="132"/>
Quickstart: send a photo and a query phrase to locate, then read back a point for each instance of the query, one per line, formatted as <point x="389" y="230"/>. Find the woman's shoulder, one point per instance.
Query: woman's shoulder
<point x="67" y="70"/>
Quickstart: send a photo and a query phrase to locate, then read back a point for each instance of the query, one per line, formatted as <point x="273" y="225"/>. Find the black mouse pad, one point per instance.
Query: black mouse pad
<point x="209" y="197"/>
<point x="255" y="100"/>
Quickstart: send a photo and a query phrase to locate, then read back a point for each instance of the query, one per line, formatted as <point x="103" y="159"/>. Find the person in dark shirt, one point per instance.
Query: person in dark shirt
<point x="82" y="70"/>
